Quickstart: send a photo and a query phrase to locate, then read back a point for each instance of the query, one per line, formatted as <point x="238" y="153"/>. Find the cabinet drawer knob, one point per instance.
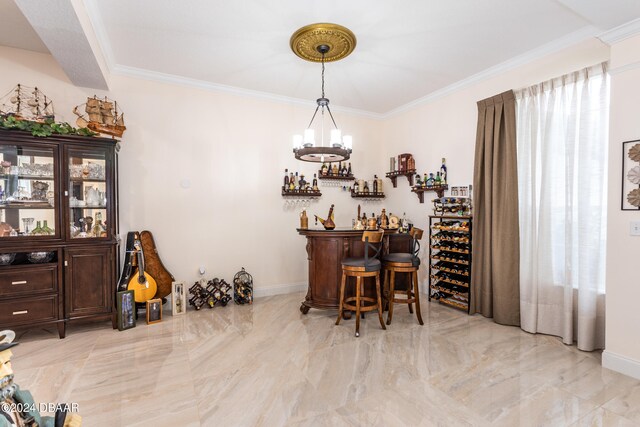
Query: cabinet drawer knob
<point x="20" y="312"/>
<point x="19" y="282"/>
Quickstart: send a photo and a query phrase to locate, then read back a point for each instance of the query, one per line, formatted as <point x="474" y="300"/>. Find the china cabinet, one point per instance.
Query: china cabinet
<point x="58" y="229"/>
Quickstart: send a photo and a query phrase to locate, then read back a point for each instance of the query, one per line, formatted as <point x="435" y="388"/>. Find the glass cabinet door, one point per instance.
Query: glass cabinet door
<point x="87" y="194"/>
<point x="28" y="191"/>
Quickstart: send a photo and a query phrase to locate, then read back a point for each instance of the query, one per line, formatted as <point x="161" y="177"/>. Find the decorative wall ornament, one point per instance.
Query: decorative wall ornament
<point x="631" y="175"/>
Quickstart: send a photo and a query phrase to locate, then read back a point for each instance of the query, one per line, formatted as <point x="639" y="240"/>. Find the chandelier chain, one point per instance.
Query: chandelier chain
<point x="323" y="75"/>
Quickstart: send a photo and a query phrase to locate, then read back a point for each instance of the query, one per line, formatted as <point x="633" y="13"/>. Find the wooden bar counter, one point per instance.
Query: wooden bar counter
<point x="325" y="251"/>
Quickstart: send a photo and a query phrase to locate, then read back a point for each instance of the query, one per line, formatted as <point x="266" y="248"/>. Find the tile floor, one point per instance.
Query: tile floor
<point x="269" y="365"/>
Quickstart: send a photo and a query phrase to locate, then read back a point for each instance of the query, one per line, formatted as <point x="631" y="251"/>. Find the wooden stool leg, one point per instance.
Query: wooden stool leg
<point x="344" y="280"/>
<point x="392" y="295"/>
<point x="362" y="294"/>
<point x="358" y="282"/>
<point x="417" y="293"/>
<point x="409" y="294"/>
<point x="379" y="301"/>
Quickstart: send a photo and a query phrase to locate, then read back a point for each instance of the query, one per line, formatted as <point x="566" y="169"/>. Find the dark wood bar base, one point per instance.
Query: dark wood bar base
<point x="325" y="251"/>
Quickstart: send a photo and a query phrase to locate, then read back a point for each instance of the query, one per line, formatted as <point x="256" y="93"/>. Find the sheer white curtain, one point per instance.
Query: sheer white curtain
<point x="562" y="136"/>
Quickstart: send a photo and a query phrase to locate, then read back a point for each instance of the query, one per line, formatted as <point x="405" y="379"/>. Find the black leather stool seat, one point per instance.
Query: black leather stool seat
<point x="403" y="258"/>
<point x="372" y="264"/>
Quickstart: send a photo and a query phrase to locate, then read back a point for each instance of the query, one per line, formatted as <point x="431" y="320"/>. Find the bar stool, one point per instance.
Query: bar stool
<point x="404" y="263"/>
<point x="361" y="268"/>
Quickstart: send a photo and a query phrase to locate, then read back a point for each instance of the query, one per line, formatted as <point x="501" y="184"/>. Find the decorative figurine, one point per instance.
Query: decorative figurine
<point x="384" y="221"/>
<point x="327" y="223"/>
<point x="102" y="115"/>
<point x="11" y="397"/>
<point x="243" y="287"/>
<point x="27" y="103"/>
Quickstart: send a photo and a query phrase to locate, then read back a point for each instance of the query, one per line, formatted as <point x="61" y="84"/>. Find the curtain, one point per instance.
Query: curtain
<point x="494" y="271"/>
<point x="562" y="135"/>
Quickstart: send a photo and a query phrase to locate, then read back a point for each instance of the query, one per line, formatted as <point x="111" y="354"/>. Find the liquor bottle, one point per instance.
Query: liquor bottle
<point x="302" y="183"/>
<point x="424" y="180"/>
<point x="356" y="188"/>
<point x="315" y="183"/>
<point x="443" y="172"/>
<point x="335" y="171"/>
<point x="438" y="180"/>
<point x="286" y="178"/>
<point x="430" y="180"/>
<point x="345" y="172"/>
<point x="380" y="190"/>
<point x="291" y="180"/>
<point x="404" y="223"/>
<point x="375" y="183"/>
<point x="324" y="170"/>
<point x="296" y="182"/>
<point x="349" y="170"/>
<point x="339" y="168"/>
<point x="366" y="187"/>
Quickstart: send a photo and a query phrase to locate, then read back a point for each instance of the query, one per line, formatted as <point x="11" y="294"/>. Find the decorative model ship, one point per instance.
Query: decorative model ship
<point x="101" y="115"/>
<point x="27" y="103"/>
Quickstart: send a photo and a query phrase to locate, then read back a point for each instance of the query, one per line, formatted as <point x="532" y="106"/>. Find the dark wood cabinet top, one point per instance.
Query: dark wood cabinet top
<point x="341" y="232"/>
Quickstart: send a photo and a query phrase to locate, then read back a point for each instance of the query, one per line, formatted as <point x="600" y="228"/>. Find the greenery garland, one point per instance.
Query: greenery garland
<point x="48" y="128"/>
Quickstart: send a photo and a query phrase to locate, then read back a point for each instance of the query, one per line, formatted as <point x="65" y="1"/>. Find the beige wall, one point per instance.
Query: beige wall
<point x="232" y="149"/>
<point x="446" y="127"/>
<point x="623" y="250"/>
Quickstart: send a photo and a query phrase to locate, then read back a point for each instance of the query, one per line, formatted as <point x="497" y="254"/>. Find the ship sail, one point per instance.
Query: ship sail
<point x="25" y="103"/>
<point x="101" y="116"/>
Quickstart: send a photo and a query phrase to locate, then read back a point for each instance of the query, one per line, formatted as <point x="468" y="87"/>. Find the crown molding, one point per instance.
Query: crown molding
<point x="216" y="87"/>
<point x="622" y="32"/>
<point x="515" y="62"/>
<point x="532" y="55"/>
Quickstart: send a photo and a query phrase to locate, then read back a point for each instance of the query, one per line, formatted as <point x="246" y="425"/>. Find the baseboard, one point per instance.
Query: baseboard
<point x="267" y="291"/>
<point x="621" y="364"/>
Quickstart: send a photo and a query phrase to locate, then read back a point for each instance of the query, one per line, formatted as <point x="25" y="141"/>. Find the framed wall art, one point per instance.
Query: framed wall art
<point x="126" y="310"/>
<point x="154" y="311"/>
<point x="178" y="298"/>
<point x="631" y="175"/>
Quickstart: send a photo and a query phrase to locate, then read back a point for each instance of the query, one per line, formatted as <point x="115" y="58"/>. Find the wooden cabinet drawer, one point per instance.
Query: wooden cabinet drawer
<point x="27" y="310"/>
<point x="28" y="280"/>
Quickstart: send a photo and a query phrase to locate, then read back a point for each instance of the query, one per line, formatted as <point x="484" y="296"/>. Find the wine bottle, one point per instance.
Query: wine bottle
<point x="286" y="178"/>
<point x="443" y="172"/>
<point x="375" y="183"/>
<point x="438" y="180"/>
<point x="349" y="170"/>
<point x="366" y="187"/>
<point x="335" y="171"/>
<point x="324" y="170"/>
<point x="315" y="183"/>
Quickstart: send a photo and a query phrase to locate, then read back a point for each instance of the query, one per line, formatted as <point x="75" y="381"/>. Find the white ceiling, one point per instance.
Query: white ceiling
<point x="407" y="49"/>
<point x="15" y="30"/>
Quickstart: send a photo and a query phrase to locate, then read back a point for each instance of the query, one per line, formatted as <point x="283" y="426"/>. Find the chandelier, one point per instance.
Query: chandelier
<point x="322" y="43"/>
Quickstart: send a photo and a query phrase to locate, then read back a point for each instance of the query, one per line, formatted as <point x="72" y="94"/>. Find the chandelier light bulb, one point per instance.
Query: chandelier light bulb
<point x="309" y="138"/>
<point x="348" y="142"/>
<point x="297" y="141"/>
<point x="336" y="137"/>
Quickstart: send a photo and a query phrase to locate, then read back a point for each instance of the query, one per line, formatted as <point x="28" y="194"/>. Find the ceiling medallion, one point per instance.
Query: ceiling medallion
<point x="322" y="43"/>
<point x="340" y="40"/>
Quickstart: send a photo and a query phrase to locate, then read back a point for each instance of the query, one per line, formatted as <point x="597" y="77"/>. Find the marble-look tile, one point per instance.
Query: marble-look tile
<point x="267" y="364"/>
<point x="626" y="404"/>
<point x="603" y="418"/>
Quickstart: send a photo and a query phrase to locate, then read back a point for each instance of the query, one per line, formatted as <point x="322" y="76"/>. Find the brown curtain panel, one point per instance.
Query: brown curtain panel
<point x="495" y="271"/>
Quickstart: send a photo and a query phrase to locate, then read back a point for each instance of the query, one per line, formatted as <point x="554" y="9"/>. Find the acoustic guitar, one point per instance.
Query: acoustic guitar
<point x="154" y="265"/>
<point x="142" y="283"/>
